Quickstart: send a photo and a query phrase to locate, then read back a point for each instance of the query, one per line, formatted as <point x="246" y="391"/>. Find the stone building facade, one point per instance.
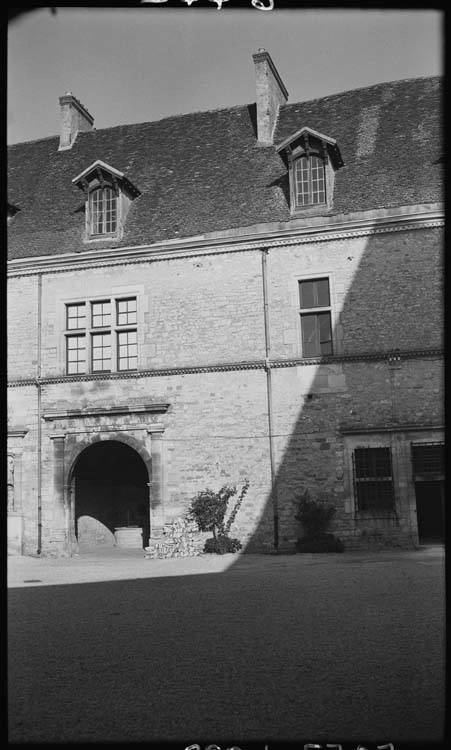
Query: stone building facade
<point x="254" y="292"/>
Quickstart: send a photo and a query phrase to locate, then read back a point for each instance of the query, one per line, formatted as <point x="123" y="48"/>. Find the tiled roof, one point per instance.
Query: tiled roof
<point x="204" y="172"/>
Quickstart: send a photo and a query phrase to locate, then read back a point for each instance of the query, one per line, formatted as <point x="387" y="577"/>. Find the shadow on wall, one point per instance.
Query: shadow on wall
<point x="383" y="299"/>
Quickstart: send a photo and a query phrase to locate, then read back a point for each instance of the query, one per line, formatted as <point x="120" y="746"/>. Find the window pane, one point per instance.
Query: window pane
<point x="103" y="210"/>
<point x="372" y="462"/>
<point x="96" y="212"/>
<point x="110" y="210"/>
<point x="325" y="333"/>
<point x="322" y="292"/>
<point x="376" y="495"/>
<point x="373" y="479"/>
<point x="307" y="291"/>
<point x="428" y="458"/>
<point x="126" y="311"/>
<point x="76" y="354"/>
<point x="302" y="181"/>
<point x="101" y="314"/>
<point x="309" y="178"/>
<point x="75" y="316"/>
<point x="101" y="352"/>
<point x="310" y="336"/>
<point x="318" y="187"/>
<point x="314" y="293"/>
<point x="127" y="350"/>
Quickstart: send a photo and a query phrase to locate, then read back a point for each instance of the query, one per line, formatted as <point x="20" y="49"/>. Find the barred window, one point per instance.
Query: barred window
<point x="310" y="181"/>
<point x="373" y="479"/>
<point x="101" y="344"/>
<point x="315" y="312"/>
<point x="428" y="459"/>
<point x="103" y="211"/>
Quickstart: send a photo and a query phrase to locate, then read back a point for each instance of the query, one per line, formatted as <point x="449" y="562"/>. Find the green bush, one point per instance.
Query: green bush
<point x="222" y="544"/>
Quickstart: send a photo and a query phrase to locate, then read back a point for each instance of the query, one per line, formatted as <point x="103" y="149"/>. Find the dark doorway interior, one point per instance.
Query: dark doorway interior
<point x="430" y="497"/>
<point x="111" y="491"/>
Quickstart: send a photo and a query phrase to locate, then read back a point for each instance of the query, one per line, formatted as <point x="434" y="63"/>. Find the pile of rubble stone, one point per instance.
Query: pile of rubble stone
<point x="180" y="539"/>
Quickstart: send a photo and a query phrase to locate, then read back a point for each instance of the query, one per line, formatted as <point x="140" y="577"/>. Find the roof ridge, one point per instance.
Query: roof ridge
<point x="170" y="117"/>
<point x="365" y="88"/>
<point x="36" y="140"/>
<point x="233" y="107"/>
<point x="142" y="123"/>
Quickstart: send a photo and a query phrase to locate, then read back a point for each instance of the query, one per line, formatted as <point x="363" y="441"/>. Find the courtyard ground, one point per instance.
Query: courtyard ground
<point x="113" y="647"/>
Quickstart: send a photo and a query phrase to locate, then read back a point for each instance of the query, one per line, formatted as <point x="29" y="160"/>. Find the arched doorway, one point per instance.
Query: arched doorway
<point x="110" y="481"/>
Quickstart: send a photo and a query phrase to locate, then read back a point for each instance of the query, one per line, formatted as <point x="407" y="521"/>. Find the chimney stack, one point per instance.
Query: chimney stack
<point x="270" y="94"/>
<point x="74" y="118"/>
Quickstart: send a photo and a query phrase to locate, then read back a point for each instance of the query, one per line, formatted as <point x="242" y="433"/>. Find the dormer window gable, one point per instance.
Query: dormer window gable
<point x="312" y="159"/>
<point x="108" y="194"/>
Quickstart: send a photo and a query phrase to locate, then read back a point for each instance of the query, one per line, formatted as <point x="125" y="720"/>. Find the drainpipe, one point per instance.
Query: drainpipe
<point x="269" y="398"/>
<point x="39" y="437"/>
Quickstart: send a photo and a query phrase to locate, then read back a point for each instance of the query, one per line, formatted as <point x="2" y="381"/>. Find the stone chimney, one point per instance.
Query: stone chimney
<point x="270" y="94"/>
<point x="74" y="118"/>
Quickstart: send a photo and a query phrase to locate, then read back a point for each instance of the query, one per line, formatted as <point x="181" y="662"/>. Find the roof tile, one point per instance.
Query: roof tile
<point x="205" y="172"/>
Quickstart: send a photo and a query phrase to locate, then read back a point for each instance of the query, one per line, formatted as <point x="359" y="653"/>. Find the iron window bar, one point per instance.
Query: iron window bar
<point x="373" y="482"/>
<point x="428" y="460"/>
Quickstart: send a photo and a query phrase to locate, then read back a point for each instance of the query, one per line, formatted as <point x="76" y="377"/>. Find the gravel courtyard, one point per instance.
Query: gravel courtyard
<point x="115" y="647"/>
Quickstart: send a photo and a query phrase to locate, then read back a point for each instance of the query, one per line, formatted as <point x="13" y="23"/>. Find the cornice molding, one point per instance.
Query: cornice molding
<point x="408" y="427"/>
<point x="390" y="357"/>
<point x="171" y="250"/>
<point x="157" y="408"/>
<point x="17" y="433"/>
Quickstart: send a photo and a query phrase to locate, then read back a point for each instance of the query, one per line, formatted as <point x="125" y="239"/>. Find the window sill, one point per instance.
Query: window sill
<point x="362" y="515"/>
<point x="101" y="238"/>
<point x="322" y="209"/>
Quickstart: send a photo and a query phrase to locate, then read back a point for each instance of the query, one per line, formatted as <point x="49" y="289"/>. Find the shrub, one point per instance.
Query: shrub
<point x="222" y="544"/>
<point x="315" y="518"/>
<point x="208" y="509"/>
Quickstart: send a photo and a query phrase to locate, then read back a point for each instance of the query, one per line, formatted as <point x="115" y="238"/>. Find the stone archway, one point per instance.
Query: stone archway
<point x="110" y="482"/>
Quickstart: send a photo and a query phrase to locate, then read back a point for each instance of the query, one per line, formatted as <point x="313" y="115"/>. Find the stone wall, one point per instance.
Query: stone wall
<point x="207" y="312"/>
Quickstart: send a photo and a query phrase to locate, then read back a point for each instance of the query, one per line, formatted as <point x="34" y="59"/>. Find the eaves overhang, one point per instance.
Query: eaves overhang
<point x="82" y="179"/>
<point x="326" y="140"/>
<point x="320" y="229"/>
<point x="92" y="168"/>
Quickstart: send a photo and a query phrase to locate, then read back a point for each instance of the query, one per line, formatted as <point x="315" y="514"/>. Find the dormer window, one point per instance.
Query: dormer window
<point x="102" y="211"/>
<point x="312" y="159"/>
<point x="108" y="195"/>
<point x="310" y="181"/>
